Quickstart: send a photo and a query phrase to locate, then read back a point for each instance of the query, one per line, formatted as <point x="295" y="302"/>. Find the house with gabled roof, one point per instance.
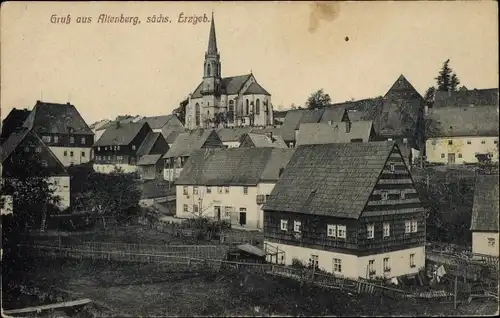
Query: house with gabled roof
<point x="229" y="184"/>
<point x="63" y="130"/>
<point x="122" y="145"/>
<point x="150" y="153"/>
<point x="166" y="124"/>
<point x="466" y="98"/>
<point x="262" y="140"/>
<point x="457" y="135"/>
<point x="294" y="118"/>
<point x="231" y="136"/>
<point x="13" y="121"/>
<point x="25" y="145"/>
<point x="336" y="132"/>
<point x="184" y="145"/>
<point x="351" y="209"/>
<point x="229" y="101"/>
<point x="484" y="222"/>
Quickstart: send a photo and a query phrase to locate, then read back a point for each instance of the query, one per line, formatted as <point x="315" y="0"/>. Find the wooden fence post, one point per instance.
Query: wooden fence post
<point x="455" y="293"/>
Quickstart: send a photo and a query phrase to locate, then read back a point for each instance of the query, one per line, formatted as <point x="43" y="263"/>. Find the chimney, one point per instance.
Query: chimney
<point x="426" y="110"/>
<point x="38" y="101"/>
<point x="270" y="135"/>
<point x="68" y="103"/>
<point x="348" y="127"/>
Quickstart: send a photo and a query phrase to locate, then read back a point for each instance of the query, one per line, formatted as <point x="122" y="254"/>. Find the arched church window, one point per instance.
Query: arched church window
<point x="257" y="107"/>
<point x="248" y="108"/>
<point x="214" y="68"/>
<point x="197" y="114"/>
<point x="208" y="70"/>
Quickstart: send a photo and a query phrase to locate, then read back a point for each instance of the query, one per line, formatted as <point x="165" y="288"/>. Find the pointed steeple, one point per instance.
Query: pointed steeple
<point x="212" y="40"/>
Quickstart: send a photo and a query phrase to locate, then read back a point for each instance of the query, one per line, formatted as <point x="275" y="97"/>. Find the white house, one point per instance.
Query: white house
<point x="484" y="223"/>
<point x="229" y="184"/>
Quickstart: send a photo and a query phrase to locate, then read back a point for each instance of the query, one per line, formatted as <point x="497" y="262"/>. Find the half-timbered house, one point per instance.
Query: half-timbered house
<point x="351" y="209"/>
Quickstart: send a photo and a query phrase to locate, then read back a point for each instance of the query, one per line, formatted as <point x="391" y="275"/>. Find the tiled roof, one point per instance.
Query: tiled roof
<point x="172" y="136"/>
<point x="466" y="98"/>
<point x="333" y="113"/>
<point x="13" y="121"/>
<point x="465" y="121"/>
<point x="402" y="85"/>
<point x="485" y="207"/>
<point x="232" y="134"/>
<point x="330" y="179"/>
<point x="56" y="118"/>
<point x="321" y="133"/>
<point x="146" y="160"/>
<point x="99" y="125"/>
<point x="158" y="122"/>
<point x="295" y="117"/>
<point x="229" y="85"/>
<point x="12" y="142"/>
<point x="148" y="143"/>
<point x="188" y="142"/>
<point x="233" y="166"/>
<point x="369" y="107"/>
<point x="255" y="88"/>
<point x="121" y="134"/>
<point x="261" y="140"/>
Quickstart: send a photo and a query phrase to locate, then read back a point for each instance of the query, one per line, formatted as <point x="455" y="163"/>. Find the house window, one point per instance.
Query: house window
<point x="195" y="208"/>
<point x="219" y="189"/>
<point x="26" y="149"/>
<point x="341" y="231"/>
<point x="227" y="189"/>
<point x="392" y="167"/>
<point x="450" y="142"/>
<point x="65" y="153"/>
<point x="117" y="147"/>
<point x="459" y="155"/>
<point x="243" y="216"/>
<point x="38" y="149"/>
<point x="296" y="226"/>
<point x="387" y="229"/>
<point x="71" y="140"/>
<point x="105" y="148"/>
<point x="468" y="142"/>
<point x="133" y="147"/>
<point x="56" y="139"/>
<point x="185" y="190"/>
<point x="387" y="268"/>
<point x="185" y="207"/>
<point x="495" y="142"/>
<point x="412" y="260"/>
<point x="228" y="210"/>
<point x="370" y="229"/>
<point x="46" y="138"/>
<point x="44" y="163"/>
<point x="71" y="153"/>
<point x="407" y="226"/>
<point x="331" y="230"/>
<point x="491" y="242"/>
<point x="195" y="190"/>
<point x="414" y="226"/>
<point x="98" y="148"/>
<point x="483" y="142"/>
<point x="245" y="190"/>
<point x="261" y="199"/>
<point x="313" y="261"/>
<point x="385" y="195"/>
<point x="433" y="142"/>
<point x="83" y="153"/>
<point x="209" y="189"/>
<point x="284" y="225"/>
<point x="402" y="195"/>
<point x="337" y="265"/>
<point x="442" y="155"/>
<point x="82" y="141"/>
<point x="371" y="267"/>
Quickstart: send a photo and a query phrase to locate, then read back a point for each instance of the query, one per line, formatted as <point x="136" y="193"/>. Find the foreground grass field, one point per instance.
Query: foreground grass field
<point x="150" y="290"/>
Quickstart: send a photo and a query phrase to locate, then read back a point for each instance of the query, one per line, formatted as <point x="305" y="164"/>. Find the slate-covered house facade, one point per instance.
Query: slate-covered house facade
<point x="229" y="184"/>
<point x="13" y="122"/>
<point x="484" y="222"/>
<point x="350" y="209"/>
<point x="119" y="147"/>
<point x="182" y="148"/>
<point x="150" y="153"/>
<point x="24" y="146"/>
<point x="63" y="130"/>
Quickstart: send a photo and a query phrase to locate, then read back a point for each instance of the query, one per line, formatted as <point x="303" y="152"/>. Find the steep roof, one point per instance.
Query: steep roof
<point x="148" y="143"/>
<point x="188" y="142"/>
<point x="333" y="113"/>
<point x="56" y="118"/>
<point x="369" y="107"/>
<point x="232" y="134"/>
<point x="255" y="88"/>
<point x="330" y="179"/>
<point x="121" y="134"/>
<point x="261" y="140"/>
<point x="172" y="136"/>
<point x="13" y="121"/>
<point x="229" y="85"/>
<point x="336" y="132"/>
<point x="465" y="121"/>
<point x="279" y="113"/>
<point x="158" y="122"/>
<point x="485" y="206"/>
<point x="466" y="98"/>
<point x="212" y="39"/>
<point x="233" y="166"/>
<point x="12" y="142"/>
<point x="402" y="85"/>
<point x="295" y="117"/>
<point x="146" y="160"/>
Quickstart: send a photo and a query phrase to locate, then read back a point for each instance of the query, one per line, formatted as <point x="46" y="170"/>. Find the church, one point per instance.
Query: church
<point x="226" y="101"/>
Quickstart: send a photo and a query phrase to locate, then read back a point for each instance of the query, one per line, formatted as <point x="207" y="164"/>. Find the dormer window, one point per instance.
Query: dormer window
<point x="133" y="147"/>
<point x="450" y="142"/>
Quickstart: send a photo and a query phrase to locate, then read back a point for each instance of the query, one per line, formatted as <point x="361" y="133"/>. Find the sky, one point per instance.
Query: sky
<point x="293" y="49"/>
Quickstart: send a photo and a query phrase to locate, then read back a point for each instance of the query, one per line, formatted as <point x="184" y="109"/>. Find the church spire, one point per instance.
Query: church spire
<point x="212" y="40"/>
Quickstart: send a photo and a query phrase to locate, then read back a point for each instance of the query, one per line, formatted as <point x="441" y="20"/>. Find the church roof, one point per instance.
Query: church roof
<point x="230" y="85"/>
<point x="255" y="88"/>
<point x="212" y="40"/>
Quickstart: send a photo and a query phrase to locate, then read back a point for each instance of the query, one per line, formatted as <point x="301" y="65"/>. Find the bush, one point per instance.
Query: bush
<point x="296" y="263"/>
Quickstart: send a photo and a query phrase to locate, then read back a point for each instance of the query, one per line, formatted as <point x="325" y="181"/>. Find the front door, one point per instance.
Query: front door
<point x="451" y="158"/>
<point x="243" y="218"/>
<point x="217" y="212"/>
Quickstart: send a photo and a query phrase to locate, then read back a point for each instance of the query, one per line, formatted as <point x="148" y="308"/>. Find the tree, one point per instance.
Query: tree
<point x="429" y="96"/>
<point x="318" y="99"/>
<point x="447" y="80"/>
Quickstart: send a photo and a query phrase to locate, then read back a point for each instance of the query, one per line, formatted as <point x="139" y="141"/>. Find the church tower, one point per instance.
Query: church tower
<point x="212" y="65"/>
